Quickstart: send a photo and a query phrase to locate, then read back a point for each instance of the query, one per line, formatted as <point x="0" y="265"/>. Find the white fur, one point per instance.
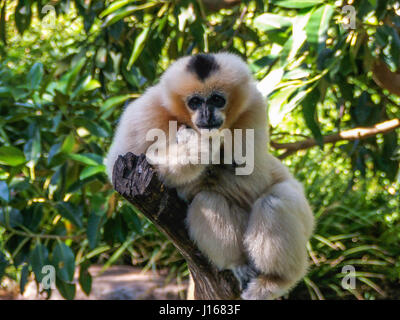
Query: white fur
<point x="262" y="219"/>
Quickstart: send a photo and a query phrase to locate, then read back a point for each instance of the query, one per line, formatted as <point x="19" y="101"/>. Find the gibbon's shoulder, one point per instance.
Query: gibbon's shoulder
<point x="147" y="110"/>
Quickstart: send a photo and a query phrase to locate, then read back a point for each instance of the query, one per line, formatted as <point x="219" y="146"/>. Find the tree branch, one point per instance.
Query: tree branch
<point x="350" y="135"/>
<point x="385" y="78"/>
<point x="137" y="182"/>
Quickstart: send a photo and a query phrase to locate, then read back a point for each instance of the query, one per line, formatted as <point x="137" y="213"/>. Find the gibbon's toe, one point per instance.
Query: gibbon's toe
<point x="244" y="274"/>
<point x="256" y="292"/>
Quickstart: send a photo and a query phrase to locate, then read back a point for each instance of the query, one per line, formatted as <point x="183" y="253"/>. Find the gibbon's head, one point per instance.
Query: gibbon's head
<point x="207" y="91"/>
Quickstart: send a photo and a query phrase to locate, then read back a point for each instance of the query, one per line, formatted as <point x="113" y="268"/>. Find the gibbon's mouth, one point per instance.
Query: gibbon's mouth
<point x="209" y="126"/>
<point x="213" y="124"/>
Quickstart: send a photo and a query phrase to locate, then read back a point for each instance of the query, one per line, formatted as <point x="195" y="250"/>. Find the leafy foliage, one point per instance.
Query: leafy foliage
<point x="68" y="67"/>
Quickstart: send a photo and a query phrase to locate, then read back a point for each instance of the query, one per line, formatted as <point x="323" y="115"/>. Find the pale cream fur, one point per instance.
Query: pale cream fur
<point x="262" y="219"/>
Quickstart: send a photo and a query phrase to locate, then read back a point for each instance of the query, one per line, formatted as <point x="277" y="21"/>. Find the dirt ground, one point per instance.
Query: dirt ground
<point x="117" y="283"/>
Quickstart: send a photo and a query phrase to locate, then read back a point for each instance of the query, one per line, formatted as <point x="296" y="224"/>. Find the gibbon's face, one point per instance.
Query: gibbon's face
<point x="207" y="110"/>
<point x="207" y="91"/>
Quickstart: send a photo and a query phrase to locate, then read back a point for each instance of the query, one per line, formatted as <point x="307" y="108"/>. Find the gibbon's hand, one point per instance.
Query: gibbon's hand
<point x="197" y="147"/>
<point x="188" y="142"/>
<point x="186" y="135"/>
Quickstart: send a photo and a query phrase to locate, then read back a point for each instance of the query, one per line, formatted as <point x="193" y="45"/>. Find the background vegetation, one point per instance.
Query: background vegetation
<point x="67" y="69"/>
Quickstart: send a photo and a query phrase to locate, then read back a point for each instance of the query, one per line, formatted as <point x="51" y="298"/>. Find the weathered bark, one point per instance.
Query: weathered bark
<point x="136" y="180"/>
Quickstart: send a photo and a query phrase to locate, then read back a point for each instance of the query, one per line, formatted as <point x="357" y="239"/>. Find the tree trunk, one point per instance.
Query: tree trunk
<point x="137" y="182"/>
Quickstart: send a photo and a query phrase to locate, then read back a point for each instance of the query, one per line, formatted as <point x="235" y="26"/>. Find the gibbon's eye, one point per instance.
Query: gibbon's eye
<point x="216" y="100"/>
<point x="195" y="102"/>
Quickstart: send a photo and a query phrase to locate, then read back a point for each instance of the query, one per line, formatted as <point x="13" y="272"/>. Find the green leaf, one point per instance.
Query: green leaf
<point x="395" y="48"/>
<point x="35" y="76"/>
<point x="116" y="254"/>
<point x="54" y="150"/>
<point x="124" y="12"/>
<point x="85" y="279"/>
<point x="33" y="216"/>
<point x="269" y="21"/>
<point x="4" y="192"/>
<point x="296" y="4"/>
<point x="310" y="115"/>
<point x="23" y="15"/>
<point x="85" y="85"/>
<point x="131" y="219"/>
<point x="99" y="204"/>
<point x="11" y="156"/>
<point x="60" y="98"/>
<point x="94" y="128"/>
<point x="12" y="217"/>
<point x="91" y="171"/>
<point x="5" y="92"/>
<point x="38" y="259"/>
<point x="101" y="58"/>
<point x="33" y="148"/>
<point x="64" y="262"/>
<point x="23" y="278"/>
<point x="70" y="212"/>
<point x="3" y="265"/>
<point x="91" y="159"/>
<point x="113" y="102"/>
<point x="272" y="79"/>
<point x="3" y="30"/>
<point x="318" y="25"/>
<point x="114" y="6"/>
<point x="19" y="93"/>
<point x="93" y="229"/>
<point x="138" y="47"/>
<point x="67" y="80"/>
<point x="278" y="106"/>
<point x="67" y="290"/>
<point x="68" y="143"/>
<point x="115" y="230"/>
<point x="298" y="37"/>
<point x="363" y="110"/>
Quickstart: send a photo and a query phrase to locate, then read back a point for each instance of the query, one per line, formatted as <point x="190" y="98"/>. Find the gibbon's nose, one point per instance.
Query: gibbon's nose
<point x="207" y="119"/>
<point x="212" y="124"/>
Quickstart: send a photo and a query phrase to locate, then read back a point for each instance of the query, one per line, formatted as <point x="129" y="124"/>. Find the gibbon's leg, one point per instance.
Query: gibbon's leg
<point x="217" y="229"/>
<point x="280" y="225"/>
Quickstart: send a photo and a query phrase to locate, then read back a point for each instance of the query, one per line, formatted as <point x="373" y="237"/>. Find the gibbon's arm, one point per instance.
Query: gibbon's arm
<point x="141" y="116"/>
<point x="138" y="118"/>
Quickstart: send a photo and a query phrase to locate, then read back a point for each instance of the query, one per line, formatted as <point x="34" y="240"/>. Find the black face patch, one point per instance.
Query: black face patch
<point x="202" y="65"/>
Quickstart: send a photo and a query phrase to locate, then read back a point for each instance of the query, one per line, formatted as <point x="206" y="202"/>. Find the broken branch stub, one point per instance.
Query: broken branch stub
<point x="137" y="181"/>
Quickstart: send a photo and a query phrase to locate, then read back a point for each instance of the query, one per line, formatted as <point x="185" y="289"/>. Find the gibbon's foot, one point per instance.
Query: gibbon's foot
<point x="262" y="288"/>
<point x="244" y="273"/>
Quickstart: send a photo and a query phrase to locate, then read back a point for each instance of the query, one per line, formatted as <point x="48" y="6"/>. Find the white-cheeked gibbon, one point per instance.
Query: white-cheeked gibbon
<point x="256" y="224"/>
